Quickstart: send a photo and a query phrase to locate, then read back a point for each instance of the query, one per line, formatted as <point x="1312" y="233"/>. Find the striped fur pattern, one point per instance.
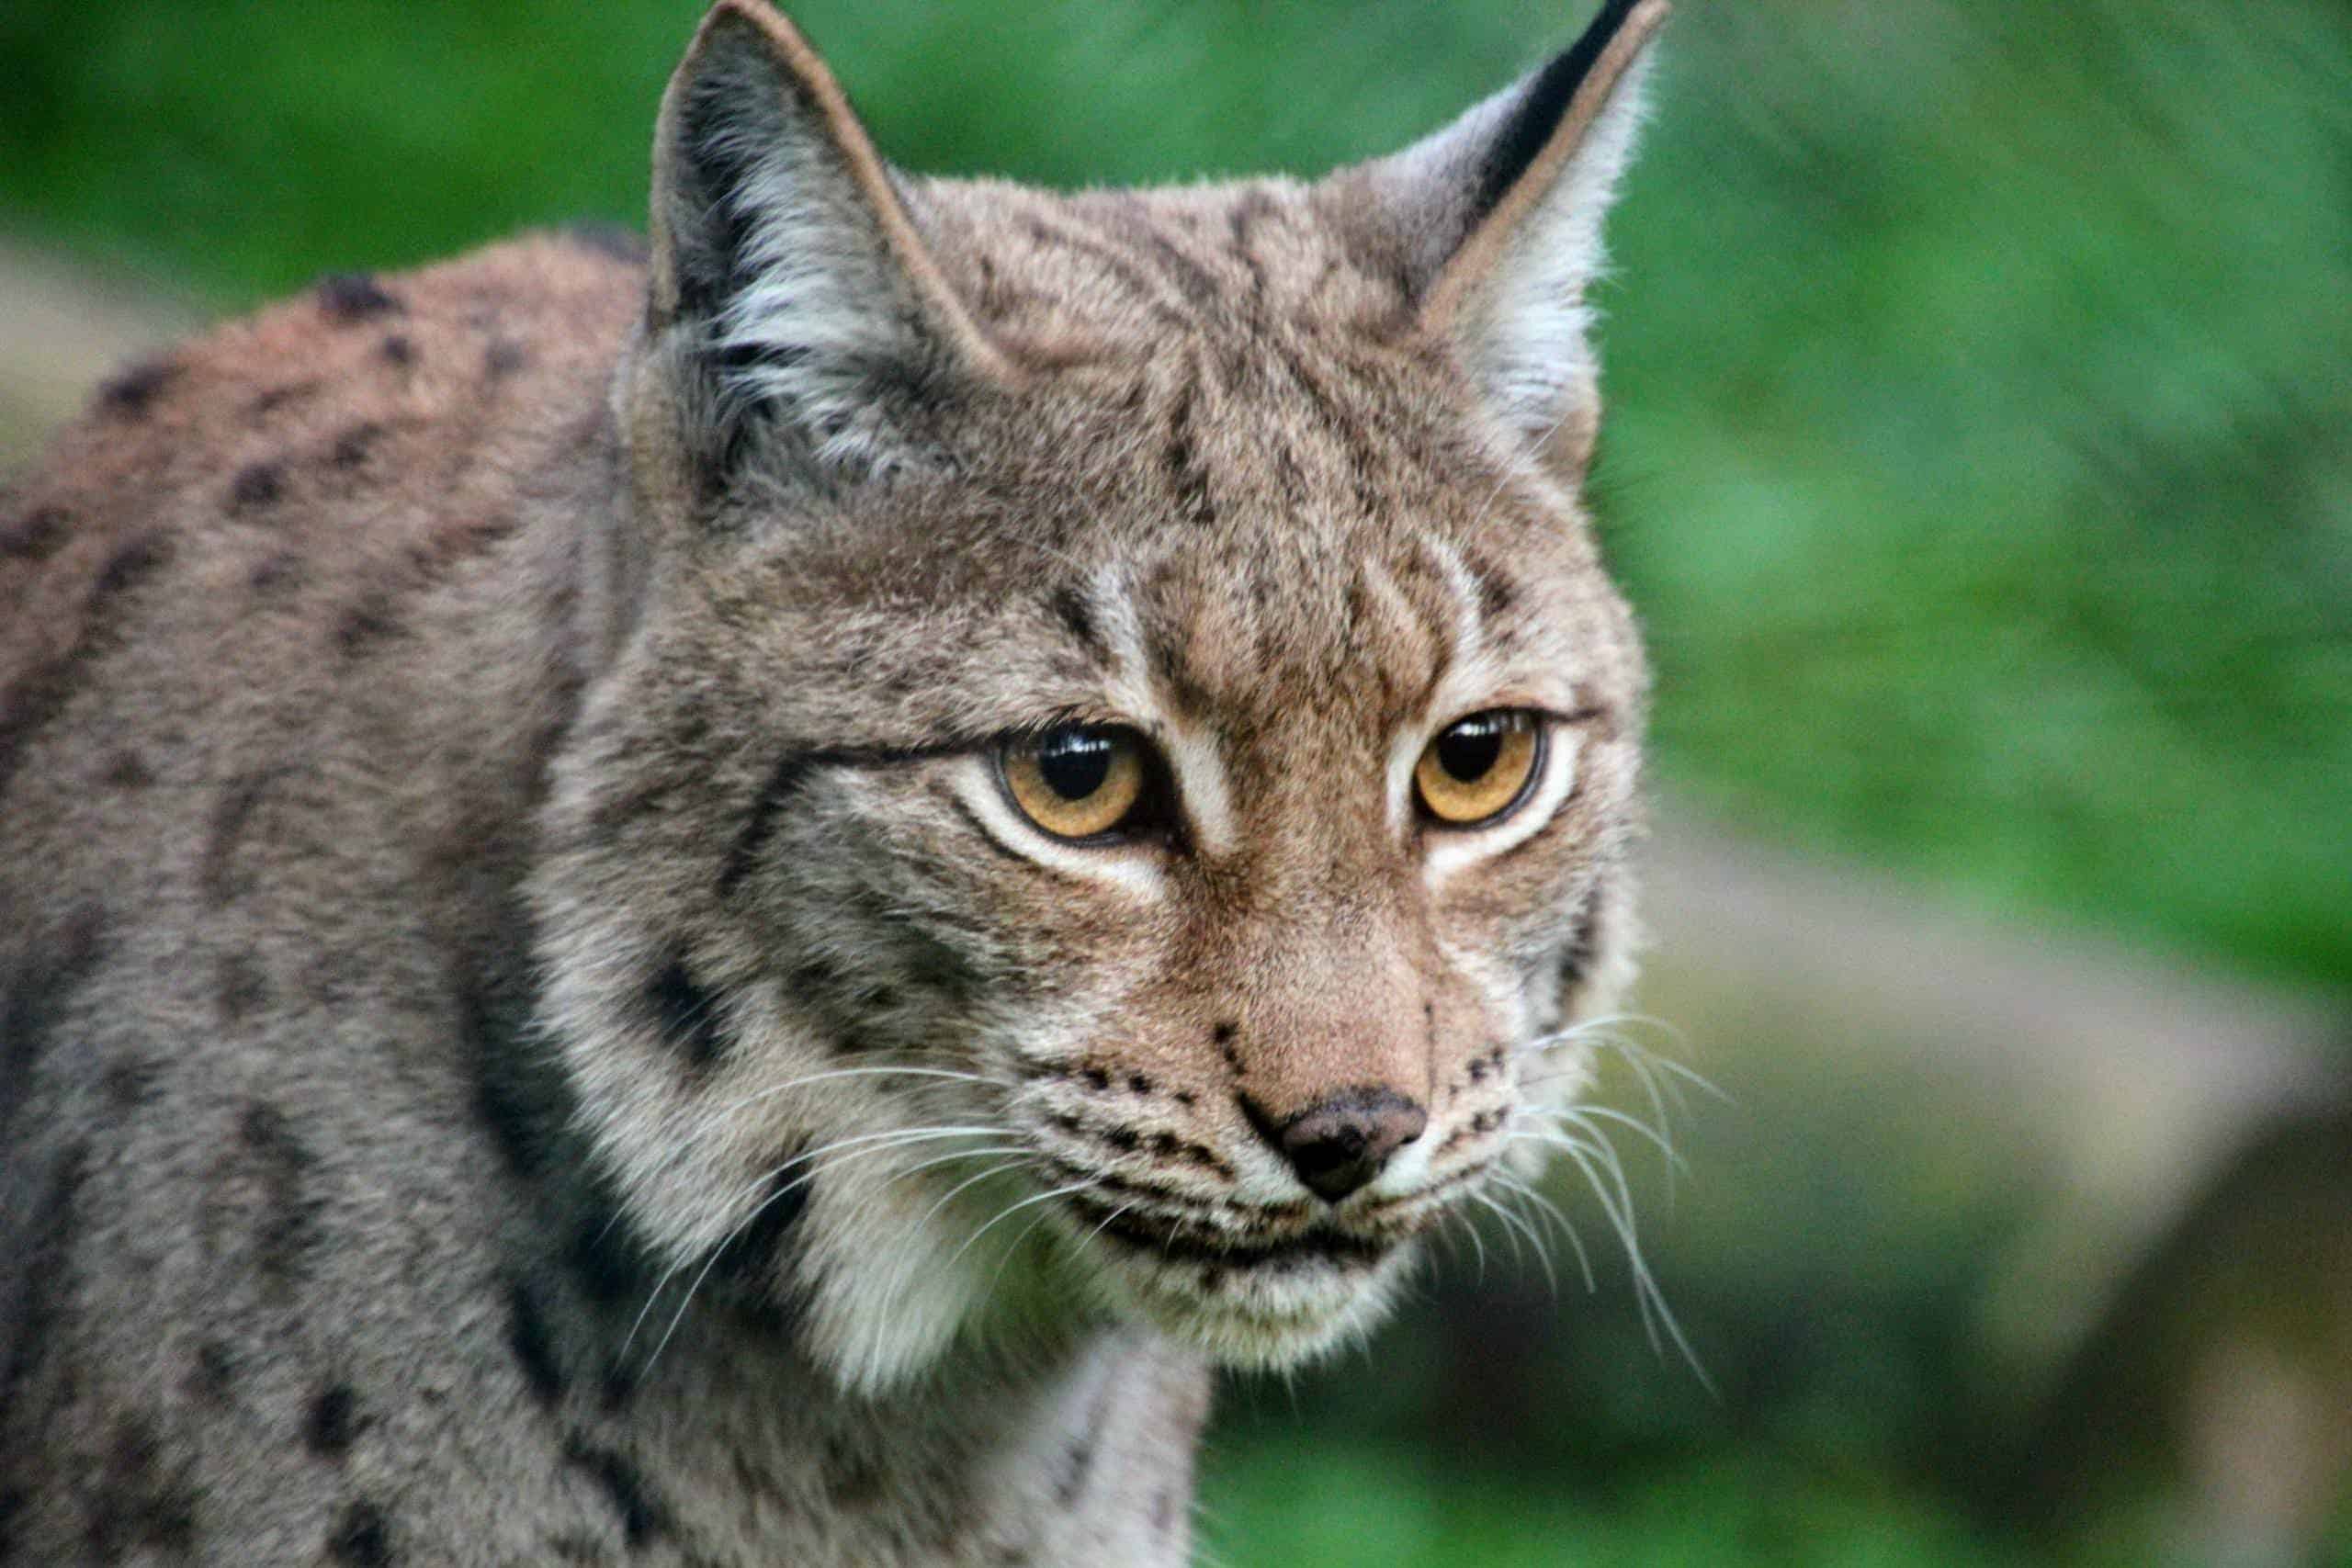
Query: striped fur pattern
<point x="532" y="1027"/>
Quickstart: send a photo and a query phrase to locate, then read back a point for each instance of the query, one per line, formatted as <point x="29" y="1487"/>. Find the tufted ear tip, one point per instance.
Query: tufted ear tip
<point x="1495" y="222"/>
<point x="800" y="322"/>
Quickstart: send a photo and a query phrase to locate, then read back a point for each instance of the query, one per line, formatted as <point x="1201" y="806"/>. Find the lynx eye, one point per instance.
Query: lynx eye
<point x="1480" y="767"/>
<point x="1076" y="780"/>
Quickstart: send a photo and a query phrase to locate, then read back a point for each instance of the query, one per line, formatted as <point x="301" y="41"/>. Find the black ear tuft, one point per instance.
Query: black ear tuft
<point x="1541" y="104"/>
<point x="1493" y="226"/>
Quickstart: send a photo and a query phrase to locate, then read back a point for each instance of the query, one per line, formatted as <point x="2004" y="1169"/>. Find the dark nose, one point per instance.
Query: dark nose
<point x="1341" y="1142"/>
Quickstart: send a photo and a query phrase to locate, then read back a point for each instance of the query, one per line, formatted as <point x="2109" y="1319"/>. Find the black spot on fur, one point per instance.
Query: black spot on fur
<point x="43" y="1272"/>
<point x="131" y="566"/>
<point x="504" y="357"/>
<point x="257" y="487"/>
<point x="332" y="1422"/>
<point x="687" y="1014"/>
<point x="289" y="1218"/>
<point x="128" y="769"/>
<point x="361" y="1537"/>
<point x="276" y="398"/>
<point x="643" y="1515"/>
<point x="527" y="1337"/>
<point x="613" y="239"/>
<point x="352" y="447"/>
<point x="139" y="1501"/>
<point x="44" y="984"/>
<point x="241" y="989"/>
<point x="397" y="350"/>
<point x="366" y="621"/>
<point x="36" y="535"/>
<point x="131" y="394"/>
<point x="347" y="297"/>
<point x="130" y="1083"/>
<point x="217" y="875"/>
<point x="28" y="706"/>
<point x="212" y="1374"/>
<point x="1223" y="1035"/>
<point x="278" y="571"/>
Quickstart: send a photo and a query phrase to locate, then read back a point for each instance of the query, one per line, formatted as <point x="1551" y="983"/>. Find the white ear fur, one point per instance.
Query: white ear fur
<point x="1525" y="328"/>
<point x="1494" y="224"/>
<point x="803" y="311"/>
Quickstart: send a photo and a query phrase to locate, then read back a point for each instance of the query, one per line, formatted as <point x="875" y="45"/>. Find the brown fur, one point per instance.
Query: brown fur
<point x="504" y="912"/>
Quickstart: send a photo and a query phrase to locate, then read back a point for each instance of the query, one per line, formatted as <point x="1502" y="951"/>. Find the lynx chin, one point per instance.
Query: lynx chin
<point x="745" y="899"/>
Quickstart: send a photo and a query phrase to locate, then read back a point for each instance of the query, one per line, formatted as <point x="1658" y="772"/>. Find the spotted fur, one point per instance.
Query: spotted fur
<point x="530" y="1030"/>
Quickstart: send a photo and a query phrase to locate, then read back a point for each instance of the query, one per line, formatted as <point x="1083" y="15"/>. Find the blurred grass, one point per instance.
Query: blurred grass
<point x="1979" y="460"/>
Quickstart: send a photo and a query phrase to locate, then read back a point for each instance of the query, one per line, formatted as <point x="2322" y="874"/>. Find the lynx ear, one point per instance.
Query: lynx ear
<point x="796" y="323"/>
<point x="1495" y="224"/>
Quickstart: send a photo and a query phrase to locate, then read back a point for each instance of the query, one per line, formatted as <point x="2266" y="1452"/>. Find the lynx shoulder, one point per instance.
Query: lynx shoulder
<point x="745" y="900"/>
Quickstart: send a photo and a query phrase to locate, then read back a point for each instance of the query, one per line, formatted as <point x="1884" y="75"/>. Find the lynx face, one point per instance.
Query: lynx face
<point x="1117" y="763"/>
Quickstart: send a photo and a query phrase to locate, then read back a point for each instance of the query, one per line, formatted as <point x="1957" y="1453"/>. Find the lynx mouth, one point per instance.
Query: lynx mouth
<point x="1180" y="1240"/>
<point x="1262" y="1297"/>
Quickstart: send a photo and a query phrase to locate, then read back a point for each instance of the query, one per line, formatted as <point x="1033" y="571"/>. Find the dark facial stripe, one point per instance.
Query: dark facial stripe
<point x="753" y="1256"/>
<point x="1121" y="266"/>
<point x="687" y="1013"/>
<point x="1069" y="606"/>
<point x="1187" y="475"/>
<point x="1584" y="945"/>
<point x="791" y="772"/>
<point x="533" y="1346"/>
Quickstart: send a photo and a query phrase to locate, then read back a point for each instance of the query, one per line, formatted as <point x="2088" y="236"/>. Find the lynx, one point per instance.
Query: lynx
<point x="745" y="899"/>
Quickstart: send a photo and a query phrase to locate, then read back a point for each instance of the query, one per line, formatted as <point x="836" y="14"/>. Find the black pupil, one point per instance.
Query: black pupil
<point x="1074" y="763"/>
<point x="1469" y="750"/>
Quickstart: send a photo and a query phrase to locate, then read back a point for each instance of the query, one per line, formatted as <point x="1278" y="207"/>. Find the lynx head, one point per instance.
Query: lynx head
<point x="1115" y="768"/>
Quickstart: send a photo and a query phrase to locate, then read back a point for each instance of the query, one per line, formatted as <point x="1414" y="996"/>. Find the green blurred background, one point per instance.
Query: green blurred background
<point x="1980" y="458"/>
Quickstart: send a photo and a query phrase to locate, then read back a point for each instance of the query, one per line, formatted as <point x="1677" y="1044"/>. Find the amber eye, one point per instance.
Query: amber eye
<point x="1077" y="780"/>
<point x="1479" y="767"/>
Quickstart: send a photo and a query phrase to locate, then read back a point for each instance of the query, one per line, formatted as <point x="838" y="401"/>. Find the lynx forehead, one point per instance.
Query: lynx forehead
<point x="742" y="902"/>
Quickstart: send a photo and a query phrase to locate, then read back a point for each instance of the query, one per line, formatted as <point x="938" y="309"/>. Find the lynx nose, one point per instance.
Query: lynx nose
<point x="1340" y="1142"/>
